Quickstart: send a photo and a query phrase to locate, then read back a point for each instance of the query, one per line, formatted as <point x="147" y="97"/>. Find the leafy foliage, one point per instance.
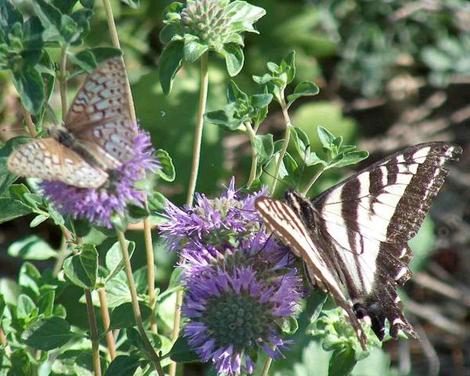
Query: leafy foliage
<point x="43" y="312"/>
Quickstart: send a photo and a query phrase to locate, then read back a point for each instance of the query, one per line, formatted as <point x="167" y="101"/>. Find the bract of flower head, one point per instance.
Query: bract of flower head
<point x="98" y="205"/>
<point x="210" y="24"/>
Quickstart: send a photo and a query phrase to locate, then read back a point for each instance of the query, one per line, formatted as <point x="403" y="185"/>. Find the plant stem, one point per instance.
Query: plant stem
<point x="203" y="88"/>
<point x="62" y="254"/>
<point x="3" y="338"/>
<point x="110" y="342"/>
<point x="254" y="156"/>
<point x="135" y="304"/>
<point x="267" y="365"/>
<point x="284" y="145"/>
<point x="150" y="273"/>
<point x="63" y="81"/>
<point x="29" y="123"/>
<point x="147" y="228"/>
<point x="313" y="180"/>
<point x="93" y="333"/>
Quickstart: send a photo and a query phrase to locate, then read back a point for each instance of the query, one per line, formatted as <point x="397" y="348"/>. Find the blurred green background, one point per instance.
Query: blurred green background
<point x="391" y="73"/>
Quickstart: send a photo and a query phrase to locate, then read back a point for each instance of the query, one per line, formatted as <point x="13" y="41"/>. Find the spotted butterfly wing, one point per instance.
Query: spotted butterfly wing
<point x="353" y="237"/>
<point x="96" y="137"/>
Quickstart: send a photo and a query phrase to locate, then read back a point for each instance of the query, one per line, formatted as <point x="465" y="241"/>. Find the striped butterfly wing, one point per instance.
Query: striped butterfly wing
<point x="361" y="226"/>
<point x="99" y="116"/>
<point x="296" y="233"/>
<point x="48" y="159"/>
<point x="367" y="220"/>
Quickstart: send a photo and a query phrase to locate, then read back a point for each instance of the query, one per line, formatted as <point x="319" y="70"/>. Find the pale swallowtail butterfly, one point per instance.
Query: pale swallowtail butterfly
<point x="353" y="237"/>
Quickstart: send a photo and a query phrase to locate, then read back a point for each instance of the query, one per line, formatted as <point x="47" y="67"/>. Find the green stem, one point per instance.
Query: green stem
<point x="135" y="304"/>
<point x="284" y="145"/>
<point x="254" y="156"/>
<point x="267" y="365"/>
<point x="93" y="333"/>
<point x="63" y="81"/>
<point x="203" y="89"/>
<point x="150" y="272"/>
<point x="313" y="180"/>
<point x="110" y="342"/>
<point x="29" y="123"/>
<point x="199" y="127"/>
<point x="147" y="227"/>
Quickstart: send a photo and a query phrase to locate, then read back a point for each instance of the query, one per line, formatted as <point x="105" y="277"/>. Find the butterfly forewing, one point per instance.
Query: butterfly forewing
<point x="97" y="135"/>
<point x="360" y="228"/>
<point x="100" y="114"/>
<point x="47" y="159"/>
<point x="291" y="230"/>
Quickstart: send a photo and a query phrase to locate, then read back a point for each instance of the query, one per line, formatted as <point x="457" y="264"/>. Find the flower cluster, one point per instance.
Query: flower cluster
<point x="241" y="284"/>
<point x="98" y="205"/>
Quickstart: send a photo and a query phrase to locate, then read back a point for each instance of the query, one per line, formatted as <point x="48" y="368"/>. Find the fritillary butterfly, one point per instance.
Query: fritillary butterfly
<point x="96" y="136"/>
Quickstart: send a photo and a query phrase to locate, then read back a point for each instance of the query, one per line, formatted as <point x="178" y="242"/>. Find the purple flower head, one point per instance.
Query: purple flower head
<point x="215" y="221"/>
<point x="237" y="301"/>
<point x="98" y="205"/>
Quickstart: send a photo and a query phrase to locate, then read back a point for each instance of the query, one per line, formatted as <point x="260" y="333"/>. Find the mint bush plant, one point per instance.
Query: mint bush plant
<point x="240" y="290"/>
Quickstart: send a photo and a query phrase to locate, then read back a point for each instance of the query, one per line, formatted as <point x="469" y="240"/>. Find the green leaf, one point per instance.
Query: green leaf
<point x="234" y="58"/>
<point x="40" y="218"/>
<point x="348" y="159"/>
<point x="47" y="334"/>
<point x="303" y="89"/>
<point x="11" y="209"/>
<point x="123" y="365"/>
<point x="46" y="300"/>
<point x="114" y="261"/>
<point x="82" y="269"/>
<point x="235" y="94"/>
<point x="327" y="139"/>
<point x="89" y="59"/>
<point x="342" y="362"/>
<point x="264" y="146"/>
<point x="9" y="15"/>
<point x="6" y="177"/>
<point x="123" y="315"/>
<point x="30" y="86"/>
<point x="301" y="143"/>
<point x="22" y="364"/>
<point x="182" y="353"/>
<point x="167" y="171"/>
<point x="261" y="100"/>
<point x="245" y="14"/>
<point x="170" y="62"/>
<point x="224" y="118"/>
<point x="31" y="248"/>
<point x="132" y="3"/>
<point x="288" y="66"/>
<point x="29" y="279"/>
<point x="290" y="326"/>
<point x="25" y="307"/>
<point x="193" y="50"/>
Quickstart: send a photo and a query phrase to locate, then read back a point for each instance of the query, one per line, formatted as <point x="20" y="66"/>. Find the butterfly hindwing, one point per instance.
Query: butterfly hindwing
<point x="359" y="230"/>
<point x="47" y="159"/>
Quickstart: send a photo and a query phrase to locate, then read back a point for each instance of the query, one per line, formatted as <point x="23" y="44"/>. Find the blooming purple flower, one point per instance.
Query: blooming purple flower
<point x="211" y="221"/>
<point x="235" y="305"/>
<point x="241" y="284"/>
<point x="98" y="205"/>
